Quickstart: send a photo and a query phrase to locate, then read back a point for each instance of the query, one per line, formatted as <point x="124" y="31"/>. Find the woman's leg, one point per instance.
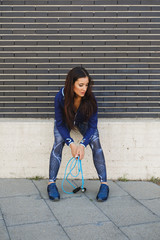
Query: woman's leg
<point x="99" y="162"/>
<point x="98" y="157"/>
<point x="56" y="155"/>
<point x="97" y="152"/>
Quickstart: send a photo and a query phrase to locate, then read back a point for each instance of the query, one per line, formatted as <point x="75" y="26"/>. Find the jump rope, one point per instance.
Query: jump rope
<point x="72" y="163"/>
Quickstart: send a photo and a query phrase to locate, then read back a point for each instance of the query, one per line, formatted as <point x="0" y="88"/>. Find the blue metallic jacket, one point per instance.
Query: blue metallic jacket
<point x="79" y="118"/>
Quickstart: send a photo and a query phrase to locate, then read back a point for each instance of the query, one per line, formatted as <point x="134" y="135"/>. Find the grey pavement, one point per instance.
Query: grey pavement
<point x="132" y="211"/>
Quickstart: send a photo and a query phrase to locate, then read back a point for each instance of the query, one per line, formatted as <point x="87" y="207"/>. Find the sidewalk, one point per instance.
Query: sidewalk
<point x="131" y="212"/>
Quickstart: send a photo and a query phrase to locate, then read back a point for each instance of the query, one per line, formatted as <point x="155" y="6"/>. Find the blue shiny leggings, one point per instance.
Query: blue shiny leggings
<point x="97" y="152"/>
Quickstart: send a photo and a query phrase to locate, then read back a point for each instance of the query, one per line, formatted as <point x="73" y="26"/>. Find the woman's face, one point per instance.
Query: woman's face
<point x="80" y="86"/>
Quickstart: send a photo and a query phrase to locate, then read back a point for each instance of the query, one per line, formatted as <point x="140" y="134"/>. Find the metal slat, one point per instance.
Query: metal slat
<point x="18" y="80"/>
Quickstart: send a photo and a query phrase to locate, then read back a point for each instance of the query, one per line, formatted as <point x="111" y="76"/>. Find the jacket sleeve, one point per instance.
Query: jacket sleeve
<point x="92" y="126"/>
<point x="59" y="109"/>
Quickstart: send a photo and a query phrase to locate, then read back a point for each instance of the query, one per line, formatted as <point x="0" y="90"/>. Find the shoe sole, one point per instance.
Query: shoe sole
<point x="101" y="200"/>
<point x="54" y="199"/>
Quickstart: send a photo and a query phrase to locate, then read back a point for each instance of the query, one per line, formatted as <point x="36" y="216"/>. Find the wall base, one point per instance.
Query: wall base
<point x="131" y="148"/>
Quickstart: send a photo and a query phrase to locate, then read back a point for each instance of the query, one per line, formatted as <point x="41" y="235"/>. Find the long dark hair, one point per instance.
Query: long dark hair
<point x="88" y="103"/>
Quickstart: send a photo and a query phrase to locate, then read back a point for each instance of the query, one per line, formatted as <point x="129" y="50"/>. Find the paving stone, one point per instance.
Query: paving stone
<point x="141" y="190"/>
<point x="95" y="231"/>
<point x="149" y="231"/>
<point x="15" y="187"/>
<point x="39" y="231"/>
<point x="76" y="210"/>
<point x="25" y="209"/>
<point x="124" y="211"/>
<point x="42" y="187"/>
<point x="3" y="231"/>
<point x="93" y="188"/>
<point x="153" y="205"/>
<point x="78" y="216"/>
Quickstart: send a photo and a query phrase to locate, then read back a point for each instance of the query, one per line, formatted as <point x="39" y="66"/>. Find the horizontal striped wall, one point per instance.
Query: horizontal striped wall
<point x="117" y="41"/>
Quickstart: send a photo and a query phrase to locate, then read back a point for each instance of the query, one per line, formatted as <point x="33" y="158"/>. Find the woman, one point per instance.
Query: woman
<point x="76" y="108"/>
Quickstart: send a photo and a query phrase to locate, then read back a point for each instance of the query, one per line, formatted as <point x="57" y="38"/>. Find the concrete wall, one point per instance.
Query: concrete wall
<point x="131" y="147"/>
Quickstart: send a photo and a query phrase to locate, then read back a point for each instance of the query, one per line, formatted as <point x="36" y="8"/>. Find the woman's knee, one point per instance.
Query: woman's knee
<point x="58" y="140"/>
<point x="95" y="141"/>
<point x="57" y="147"/>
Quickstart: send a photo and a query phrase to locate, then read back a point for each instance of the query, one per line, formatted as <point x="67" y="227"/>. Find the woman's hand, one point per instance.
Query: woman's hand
<point x="73" y="149"/>
<point x="80" y="152"/>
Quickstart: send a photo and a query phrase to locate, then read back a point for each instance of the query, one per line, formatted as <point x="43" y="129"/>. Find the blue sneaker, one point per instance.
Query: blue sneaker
<point x="53" y="192"/>
<point x="103" y="193"/>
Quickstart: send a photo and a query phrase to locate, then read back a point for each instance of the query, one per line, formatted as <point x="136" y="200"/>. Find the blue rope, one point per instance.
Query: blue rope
<point x="71" y="165"/>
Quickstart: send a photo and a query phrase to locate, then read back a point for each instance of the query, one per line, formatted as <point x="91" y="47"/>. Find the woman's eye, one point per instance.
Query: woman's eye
<point x="81" y="85"/>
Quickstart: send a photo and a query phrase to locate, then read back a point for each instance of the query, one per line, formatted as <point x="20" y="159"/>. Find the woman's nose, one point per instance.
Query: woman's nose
<point x="85" y="88"/>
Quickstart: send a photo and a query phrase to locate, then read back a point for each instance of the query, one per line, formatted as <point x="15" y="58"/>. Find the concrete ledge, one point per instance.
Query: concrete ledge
<point x="131" y="148"/>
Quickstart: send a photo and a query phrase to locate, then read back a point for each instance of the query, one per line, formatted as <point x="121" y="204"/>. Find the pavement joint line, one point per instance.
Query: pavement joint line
<point x="138" y="200"/>
<point x="109" y="218"/>
<point x="45" y="200"/>
<point x="142" y="199"/>
<point x="138" y="224"/>
<point x="37" y="189"/>
<point x="89" y="223"/>
<point x="30" y="223"/>
<point x="5" y="224"/>
<point x="17" y="196"/>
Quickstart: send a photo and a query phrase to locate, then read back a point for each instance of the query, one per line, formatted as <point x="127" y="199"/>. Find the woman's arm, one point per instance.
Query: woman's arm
<point x="59" y="117"/>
